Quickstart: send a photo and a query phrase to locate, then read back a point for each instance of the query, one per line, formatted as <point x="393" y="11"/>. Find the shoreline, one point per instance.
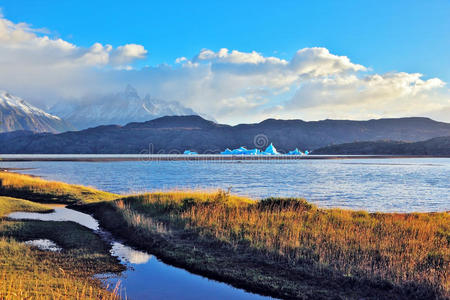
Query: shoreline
<point x="282" y="247"/>
<point x="200" y="157"/>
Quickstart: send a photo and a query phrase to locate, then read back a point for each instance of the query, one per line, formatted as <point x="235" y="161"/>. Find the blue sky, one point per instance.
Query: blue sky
<point x="412" y="36"/>
<point x="382" y="36"/>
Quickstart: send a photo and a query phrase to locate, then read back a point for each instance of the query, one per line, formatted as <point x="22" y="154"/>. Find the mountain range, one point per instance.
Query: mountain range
<point x="435" y="146"/>
<point x="174" y="134"/>
<point x="120" y="108"/>
<point x="17" y="114"/>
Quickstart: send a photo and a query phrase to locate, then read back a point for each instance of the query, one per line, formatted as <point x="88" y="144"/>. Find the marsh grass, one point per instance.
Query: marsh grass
<point x="286" y="247"/>
<point x="401" y="249"/>
<point x="29" y="273"/>
<point x="40" y="190"/>
<point x="9" y="205"/>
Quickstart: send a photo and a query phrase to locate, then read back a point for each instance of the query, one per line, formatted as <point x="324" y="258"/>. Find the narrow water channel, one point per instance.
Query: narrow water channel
<point x="146" y="277"/>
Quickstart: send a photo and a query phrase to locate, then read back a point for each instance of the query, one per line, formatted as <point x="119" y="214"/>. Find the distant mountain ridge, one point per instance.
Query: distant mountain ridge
<point x="120" y="108"/>
<point x="17" y="114"/>
<point x="435" y="146"/>
<point x="174" y="134"/>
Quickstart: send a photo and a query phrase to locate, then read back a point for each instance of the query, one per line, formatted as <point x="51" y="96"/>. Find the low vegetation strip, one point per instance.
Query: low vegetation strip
<point x="287" y="248"/>
<point x="40" y="190"/>
<point x="9" y="205"/>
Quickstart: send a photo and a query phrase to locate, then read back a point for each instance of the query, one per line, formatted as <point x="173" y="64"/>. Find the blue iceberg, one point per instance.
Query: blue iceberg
<point x="227" y="151"/>
<point x="242" y="151"/>
<point x="295" y="152"/>
<point x="271" y="150"/>
<point x="189" y="152"/>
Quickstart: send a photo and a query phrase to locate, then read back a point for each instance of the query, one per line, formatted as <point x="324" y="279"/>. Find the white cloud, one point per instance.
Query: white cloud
<point x="230" y="85"/>
<point x="128" y="53"/>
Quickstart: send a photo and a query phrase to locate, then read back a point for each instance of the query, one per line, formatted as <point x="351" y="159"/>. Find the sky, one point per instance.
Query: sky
<point x="236" y="61"/>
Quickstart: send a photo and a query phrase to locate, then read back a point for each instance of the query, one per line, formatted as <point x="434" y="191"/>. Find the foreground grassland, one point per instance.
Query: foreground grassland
<point x="287" y="248"/>
<point x="28" y="273"/>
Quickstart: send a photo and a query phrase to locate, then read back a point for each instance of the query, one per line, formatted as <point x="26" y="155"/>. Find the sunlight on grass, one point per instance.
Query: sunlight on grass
<point x="406" y="250"/>
<point x="32" y="274"/>
<point x="402" y="248"/>
<point x="9" y="205"/>
<point x="40" y="190"/>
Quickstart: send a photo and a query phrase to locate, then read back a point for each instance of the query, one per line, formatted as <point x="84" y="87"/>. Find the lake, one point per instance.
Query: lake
<point x="375" y="184"/>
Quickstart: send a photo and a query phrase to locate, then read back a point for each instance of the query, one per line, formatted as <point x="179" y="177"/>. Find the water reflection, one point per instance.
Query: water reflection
<point x="44" y="244"/>
<point x="146" y="278"/>
<point x="59" y="214"/>
<point x="129" y="254"/>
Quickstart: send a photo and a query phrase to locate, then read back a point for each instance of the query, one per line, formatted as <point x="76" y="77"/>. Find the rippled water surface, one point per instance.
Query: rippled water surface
<point x="395" y="184"/>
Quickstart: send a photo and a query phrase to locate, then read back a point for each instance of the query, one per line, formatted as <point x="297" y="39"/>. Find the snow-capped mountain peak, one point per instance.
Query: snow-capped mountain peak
<point x="9" y="101"/>
<point x="120" y="108"/>
<point x="129" y="94"/>
<point x="17" y="114"/>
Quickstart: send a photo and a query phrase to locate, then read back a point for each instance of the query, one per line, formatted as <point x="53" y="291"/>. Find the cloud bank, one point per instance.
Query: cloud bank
<point x="229" y="85"/>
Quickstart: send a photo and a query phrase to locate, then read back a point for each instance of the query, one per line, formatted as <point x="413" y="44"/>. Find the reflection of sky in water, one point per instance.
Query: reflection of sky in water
<point x="44" y="244"/>
<point x="129" y="254"/>
<point x="147" y="278"/>
<point x="156" y="280"/>
<point x="60" y="214"/>
<point x="406" y="184"/>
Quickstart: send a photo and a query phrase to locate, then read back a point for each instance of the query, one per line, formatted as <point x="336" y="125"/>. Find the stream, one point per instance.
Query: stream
<point x="146" y="276"/>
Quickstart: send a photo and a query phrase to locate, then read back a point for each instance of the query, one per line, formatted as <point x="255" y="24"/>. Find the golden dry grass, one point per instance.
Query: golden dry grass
<point x="32" y="274"/>
<point x="9" y="205"/>
<point x="40" y="190"/>
<point x="405" y="249"/>
<point x="28" y="273"/>
<point x="401" y="248"/>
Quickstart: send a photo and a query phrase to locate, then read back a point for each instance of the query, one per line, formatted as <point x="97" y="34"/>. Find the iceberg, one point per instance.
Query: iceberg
<point x="227" y="151"/>
<point x="189" y="152"/>
<point x="295" y="152"/>
<point x="244" y="151"/>
<point x="241" y="151"/>
<point x="271" y="150"/>
<point x="253" y="152"/>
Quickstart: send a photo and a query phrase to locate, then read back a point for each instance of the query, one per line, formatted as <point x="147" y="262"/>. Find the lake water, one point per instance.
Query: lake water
<point x="146" y="277"/>
<point x="390" y="185"/>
